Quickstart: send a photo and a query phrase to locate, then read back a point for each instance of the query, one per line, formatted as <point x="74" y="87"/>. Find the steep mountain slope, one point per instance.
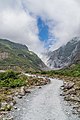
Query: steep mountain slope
<point x="65" y="55"/>
<point x="17" y="56"/>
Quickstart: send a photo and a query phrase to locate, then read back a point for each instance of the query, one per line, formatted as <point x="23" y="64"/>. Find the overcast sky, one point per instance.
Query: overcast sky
<point x="40" y="24"/>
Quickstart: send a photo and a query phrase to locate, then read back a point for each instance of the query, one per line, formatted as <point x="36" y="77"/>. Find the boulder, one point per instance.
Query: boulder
<point x="3" y="104"/>
<point x="75" y="98"/>
<point x="16" y="93"/>
<point x="7" y="107"/>
<point x="68" y="85"/>
<point x="62" y="94"/>
<point x="12" y="103"/>
<point x="27" y="91"/>
<point x="70" y="92"/>
<point x="22" y="92"/>
<point x="71" y="98"/>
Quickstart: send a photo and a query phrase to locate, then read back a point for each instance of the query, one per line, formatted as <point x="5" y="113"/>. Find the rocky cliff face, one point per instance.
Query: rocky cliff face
<point x="65" y="55"/>
<point x="4" y="55"/>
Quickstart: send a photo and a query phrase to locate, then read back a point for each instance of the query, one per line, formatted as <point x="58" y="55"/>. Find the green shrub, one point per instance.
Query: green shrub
<point x="11" y="79"/>
<point x="8" y="74"/>
<point x="71" y="71"/>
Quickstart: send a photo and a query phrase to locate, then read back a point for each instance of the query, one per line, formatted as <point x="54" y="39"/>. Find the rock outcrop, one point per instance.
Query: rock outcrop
<point x="65" y="55"/>
<point x="4" y="55"/>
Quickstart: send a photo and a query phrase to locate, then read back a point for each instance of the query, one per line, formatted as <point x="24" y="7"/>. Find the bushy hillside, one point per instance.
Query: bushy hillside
<point x="18" y="57"/>
<point x="71" y="71"/>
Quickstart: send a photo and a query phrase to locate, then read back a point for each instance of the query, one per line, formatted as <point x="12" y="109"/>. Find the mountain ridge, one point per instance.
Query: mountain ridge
<point x="15" y="55"/>
<point x="65" y="55"/>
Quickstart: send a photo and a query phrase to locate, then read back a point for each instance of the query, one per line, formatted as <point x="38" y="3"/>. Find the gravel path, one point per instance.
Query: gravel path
<point x="42" y="104"/>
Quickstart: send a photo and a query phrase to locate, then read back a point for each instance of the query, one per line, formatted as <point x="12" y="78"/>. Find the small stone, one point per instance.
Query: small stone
<point x="18" y="109"/>
<point x="27" y="91"/>
<point x="16" y="94"/>
<point x="40" y="87"/>
<point x="15" y="107"/>
<point x="78" y="110"/>
<point x="14" y="102"/>
<point x="68" y="113"/>
<point x="19" y="96"/>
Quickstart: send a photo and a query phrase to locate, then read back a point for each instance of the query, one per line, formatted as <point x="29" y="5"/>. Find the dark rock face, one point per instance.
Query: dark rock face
<point x="65" y="55"/>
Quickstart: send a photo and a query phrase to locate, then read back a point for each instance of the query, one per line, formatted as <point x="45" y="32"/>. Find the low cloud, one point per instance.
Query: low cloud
<point x="65" y="16"/>
<point x="18" y="25"/>
<point x="18" y="21"/>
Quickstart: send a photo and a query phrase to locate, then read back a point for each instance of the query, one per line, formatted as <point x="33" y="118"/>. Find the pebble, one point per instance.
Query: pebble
<point x="19" y="96"/>
<point x="15" y="107"/>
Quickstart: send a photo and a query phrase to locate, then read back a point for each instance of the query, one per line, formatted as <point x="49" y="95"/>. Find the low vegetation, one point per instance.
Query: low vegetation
<point x="72" y="71"/>
<point x="15" y="84"/>
<point x="11" y="79"/>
